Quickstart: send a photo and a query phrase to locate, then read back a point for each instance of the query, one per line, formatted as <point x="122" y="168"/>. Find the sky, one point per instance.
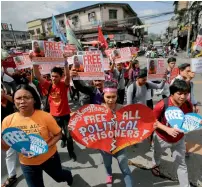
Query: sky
<point x="18" y="13"/>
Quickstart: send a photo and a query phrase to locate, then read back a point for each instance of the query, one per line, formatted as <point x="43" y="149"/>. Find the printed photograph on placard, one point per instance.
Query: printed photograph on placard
<point x="78" y="63"/>
<point x="19" y="60"/>
<point x="152" y="66"/>
<point x="116" y="54"/>
<point x="38" y="48"/>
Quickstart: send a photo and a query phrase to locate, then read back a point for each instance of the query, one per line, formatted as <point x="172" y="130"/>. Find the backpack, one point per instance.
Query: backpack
<point x="135" y="88"/>
<point x="165" y="100"/>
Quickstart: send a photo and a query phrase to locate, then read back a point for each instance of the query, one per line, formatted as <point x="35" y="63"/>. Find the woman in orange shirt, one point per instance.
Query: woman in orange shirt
<point x="31" y="119"/>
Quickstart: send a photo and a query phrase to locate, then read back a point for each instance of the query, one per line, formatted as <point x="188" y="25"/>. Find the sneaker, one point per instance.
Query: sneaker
<point x="109" y="180"/>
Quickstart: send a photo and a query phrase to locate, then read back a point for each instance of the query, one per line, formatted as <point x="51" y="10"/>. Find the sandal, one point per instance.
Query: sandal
<point x="9" y="181"/>
<point x="155" y="171"/>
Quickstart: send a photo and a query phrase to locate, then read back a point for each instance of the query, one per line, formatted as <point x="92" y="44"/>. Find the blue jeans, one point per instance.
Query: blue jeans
<point x="34" y="173"/>
<point x="123" y="165"/>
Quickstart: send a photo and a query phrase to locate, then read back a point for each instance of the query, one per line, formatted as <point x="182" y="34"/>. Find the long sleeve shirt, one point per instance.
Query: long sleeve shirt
<point x="141" y="92"/>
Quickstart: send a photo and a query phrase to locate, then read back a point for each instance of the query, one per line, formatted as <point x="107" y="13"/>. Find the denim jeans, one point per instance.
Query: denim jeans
<point x="123" y="165"/>
<point x="34" y="173"/>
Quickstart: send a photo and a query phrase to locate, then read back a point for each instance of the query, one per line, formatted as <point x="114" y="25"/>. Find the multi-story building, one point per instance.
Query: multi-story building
<point x="188" y="17"/>
<point x="35" y="28"/>
<point x="13" y="38"/>
<point x="116" y="20"/>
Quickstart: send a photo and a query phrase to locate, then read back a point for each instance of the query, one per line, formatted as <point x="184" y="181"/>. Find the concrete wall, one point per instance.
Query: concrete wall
<point x="34" y="25"/>
<point x="105" y="11"/>
<point x="83" y="21"/>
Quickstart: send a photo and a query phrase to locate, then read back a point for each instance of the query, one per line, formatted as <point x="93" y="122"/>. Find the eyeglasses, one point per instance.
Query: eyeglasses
<point x="25" y="98"/>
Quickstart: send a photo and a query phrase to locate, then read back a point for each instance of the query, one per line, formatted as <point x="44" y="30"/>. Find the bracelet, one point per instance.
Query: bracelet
<point x="66" y="63"/>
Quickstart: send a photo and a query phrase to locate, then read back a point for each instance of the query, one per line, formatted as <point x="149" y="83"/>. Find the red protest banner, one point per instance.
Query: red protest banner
<point x="96" y="127"/>
<point x="156" y="69"/>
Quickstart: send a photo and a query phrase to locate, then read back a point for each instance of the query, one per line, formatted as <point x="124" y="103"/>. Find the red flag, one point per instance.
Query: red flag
<point x="101" y="38"/>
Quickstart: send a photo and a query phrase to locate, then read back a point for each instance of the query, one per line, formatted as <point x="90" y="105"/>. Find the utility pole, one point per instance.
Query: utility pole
<point x="189" y="32"/>
<point x="16" y="44"/>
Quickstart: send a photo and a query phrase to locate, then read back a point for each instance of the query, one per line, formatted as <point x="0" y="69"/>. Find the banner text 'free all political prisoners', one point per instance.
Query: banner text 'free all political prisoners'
<point x="156" y="69"/>
<point x="89" y="66"/>
<point x="94" y="126"/>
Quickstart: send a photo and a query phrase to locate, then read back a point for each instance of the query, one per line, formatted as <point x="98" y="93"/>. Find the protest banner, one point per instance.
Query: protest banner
<point x="185" y="123"/>
<point x="134" y="51"/>
<point x="196" y="65"/>
<point x="121" y="55"/>
<point x="49" y="52"/>
<point x="106" y="64"/>
<point x="28" y="145"/>
<point x="8" y="62"/>
<point x="47" y="60"/>
<point x="46" y="68"/>
<point x="192" y="121"/>
<point x="108" y="52"/>
<point x="89" y="67"/>
<point x="174" y="73"/>
<point x="198" y="43"/>
<point x="22" y="61"/>
<point x="174" y="116"/>
<point x="156" y="69"/>
<point x="94" y="126"/>
<point x="37" y="145"/>
<point x="16" y="139"/>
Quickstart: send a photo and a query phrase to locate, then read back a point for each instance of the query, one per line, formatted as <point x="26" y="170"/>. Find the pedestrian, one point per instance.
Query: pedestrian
<point x="31" y="119"/>
<point x="118" y="74"/>
<point x="171" y="65"/>
<point x="185" y="71"/>
<point x="137" y="92"/>
<point x="7" y="108"/>
<point x="134" y="71"/>
<point x="167" y="137"/>
<point x="110" y="102"/>
<point x="56" y="92"/>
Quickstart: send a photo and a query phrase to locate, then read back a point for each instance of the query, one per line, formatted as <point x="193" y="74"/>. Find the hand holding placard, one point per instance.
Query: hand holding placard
<point x="185" y="123"/>
<point x="28" y="145"/>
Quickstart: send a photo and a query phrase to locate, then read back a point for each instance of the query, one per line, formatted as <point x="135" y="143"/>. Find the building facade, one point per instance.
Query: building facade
<point x="188" y="17"/>
<point x="116" y="20"/>
<point x="14" y="38"/>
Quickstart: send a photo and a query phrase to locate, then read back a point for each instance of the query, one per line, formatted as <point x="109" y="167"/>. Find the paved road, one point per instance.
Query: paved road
<point x="89" y="170"/>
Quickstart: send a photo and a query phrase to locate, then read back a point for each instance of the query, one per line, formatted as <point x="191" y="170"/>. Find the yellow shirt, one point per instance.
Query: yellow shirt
<point x="41" y="123"/>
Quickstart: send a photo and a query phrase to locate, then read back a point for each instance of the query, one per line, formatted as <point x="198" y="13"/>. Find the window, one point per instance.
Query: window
<point x="61" y="23"/>
<point x="8" y="35"/>
<point x="75" y="20"/>
<point x="112" y="14"/>
<point x="91" y="17"/>
<point x="38" y="31"/>
<point x="31" y="32"/>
